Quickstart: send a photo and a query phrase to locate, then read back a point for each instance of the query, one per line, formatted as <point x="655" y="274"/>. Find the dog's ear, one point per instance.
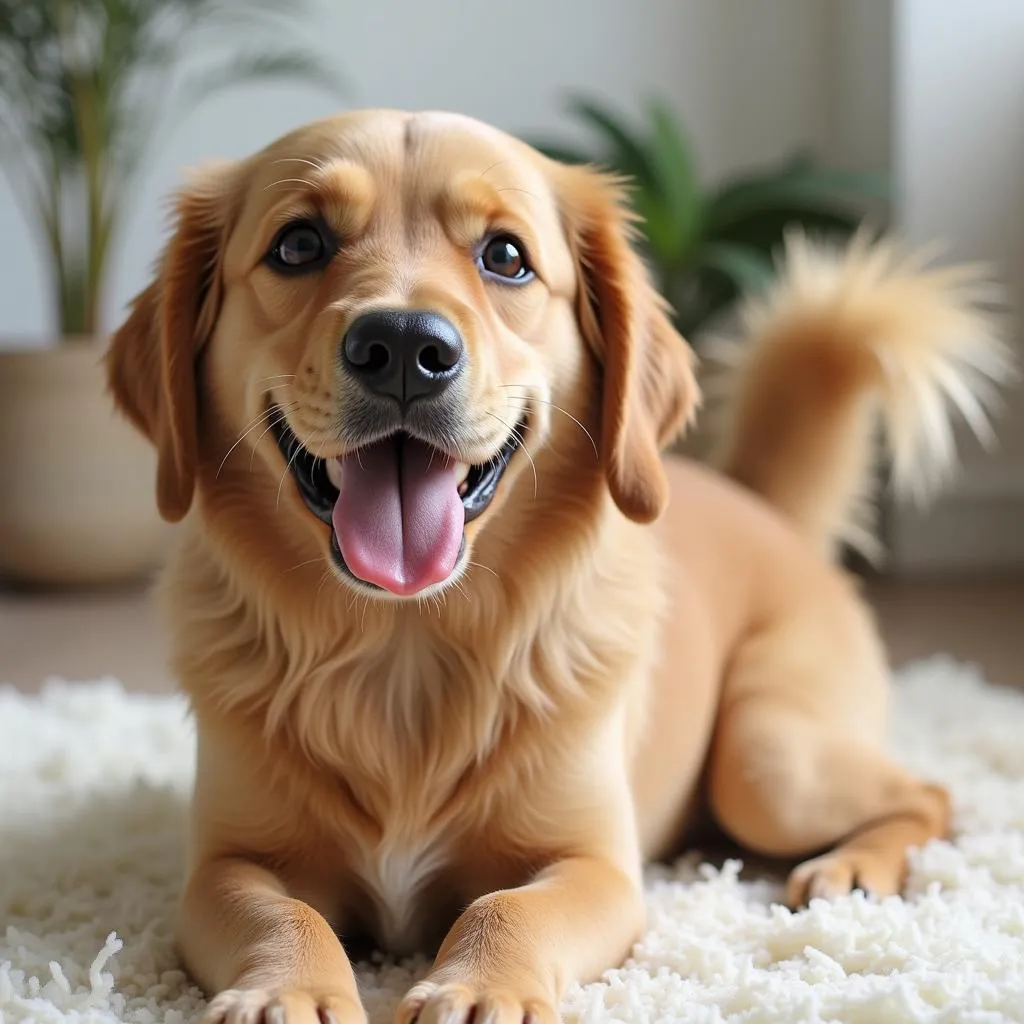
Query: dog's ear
<point x="150" y="363"/>
<point x="649" y="390"/>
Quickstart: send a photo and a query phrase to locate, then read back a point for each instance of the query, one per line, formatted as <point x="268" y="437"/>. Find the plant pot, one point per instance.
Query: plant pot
<point x="77" y="482"/>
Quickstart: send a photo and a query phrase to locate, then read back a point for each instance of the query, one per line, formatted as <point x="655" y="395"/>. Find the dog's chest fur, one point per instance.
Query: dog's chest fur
<point x="429" y="758"/>
<point x="418" y="781"/>
<point x="395" y="878"/>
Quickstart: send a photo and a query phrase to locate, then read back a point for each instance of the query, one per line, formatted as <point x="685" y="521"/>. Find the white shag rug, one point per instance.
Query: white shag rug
<point x="93" y="790"/>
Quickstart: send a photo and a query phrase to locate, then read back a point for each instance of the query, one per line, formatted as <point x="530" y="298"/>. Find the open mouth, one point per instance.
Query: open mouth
<point x="397" y="507"/>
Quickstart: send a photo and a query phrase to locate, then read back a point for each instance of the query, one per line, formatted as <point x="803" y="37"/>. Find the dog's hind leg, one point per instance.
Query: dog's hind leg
<point x="798" y="768"/>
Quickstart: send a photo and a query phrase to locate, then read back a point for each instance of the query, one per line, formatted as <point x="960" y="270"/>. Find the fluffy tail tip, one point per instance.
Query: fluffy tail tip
<point x="936" y="334"/>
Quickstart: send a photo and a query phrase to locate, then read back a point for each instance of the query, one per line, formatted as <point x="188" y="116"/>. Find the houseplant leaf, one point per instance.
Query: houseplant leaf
<point x="675" y="172"/>
<point x="794" y="189"/>
<point x="84" y="87"/>
<point x="748" y="269"/>
<point x="563" y="154"/>
<point x="765" y="230"/>
<point x="626" y="153"/>
<point x="705" y="247"/>
<point x="657" y="226"/>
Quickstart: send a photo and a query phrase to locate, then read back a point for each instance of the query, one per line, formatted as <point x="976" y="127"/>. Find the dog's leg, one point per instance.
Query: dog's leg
<point x="267" y="957"/>
<point x="511" y="954"/>
<point x="793" y="774"/>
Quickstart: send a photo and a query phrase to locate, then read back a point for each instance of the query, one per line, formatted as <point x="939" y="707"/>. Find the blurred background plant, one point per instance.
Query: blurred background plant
<point x="87" y="87"/>
<point x="708" y="244"/>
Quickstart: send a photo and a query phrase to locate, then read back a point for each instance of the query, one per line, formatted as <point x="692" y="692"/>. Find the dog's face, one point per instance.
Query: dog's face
<point x="410" y="306"/>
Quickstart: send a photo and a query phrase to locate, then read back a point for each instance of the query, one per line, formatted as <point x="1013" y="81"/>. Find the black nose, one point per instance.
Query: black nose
<point x="403" y="354"/>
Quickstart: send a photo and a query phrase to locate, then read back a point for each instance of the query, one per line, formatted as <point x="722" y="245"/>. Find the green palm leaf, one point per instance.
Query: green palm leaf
<point x="562" y="153"/>
<point x="74" y="136"/>
<point x="675" y="172"/>
<point x="707" y="247"/>
<point x="626" y="153"/>
<point x="795" y="189"/>
<point x="747" y="269"/>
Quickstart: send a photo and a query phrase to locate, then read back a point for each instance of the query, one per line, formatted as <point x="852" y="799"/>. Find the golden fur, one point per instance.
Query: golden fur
<point x="488" y="766"/>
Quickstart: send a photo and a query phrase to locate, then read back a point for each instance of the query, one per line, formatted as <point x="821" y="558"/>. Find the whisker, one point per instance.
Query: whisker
<point x="300" y="160"/>
<point x="487" y="568"/>
<point x="267" y="413"/>
<point x="518" y="437"/>
<point x="252" y="454"/>
<point x="287" y="468"/>
<point x="323" y="579"/>
<point x="301" y="565"/>
<point x="451" y="443"/>
<point x="557" y="408"/>
<point x="497" y="163"/>
<point x="512" y="188"/>
<point x="293" y="181"/>
<point x="277" y="376"/>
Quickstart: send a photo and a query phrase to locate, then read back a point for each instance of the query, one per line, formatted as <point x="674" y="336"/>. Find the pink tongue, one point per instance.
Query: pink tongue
<point x="399" y="518"/>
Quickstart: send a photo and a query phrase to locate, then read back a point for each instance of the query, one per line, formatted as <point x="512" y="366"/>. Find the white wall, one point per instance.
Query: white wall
<point x="858" y="82"/>
<point x="747" y="77"/>
<point x="958" y="145"/>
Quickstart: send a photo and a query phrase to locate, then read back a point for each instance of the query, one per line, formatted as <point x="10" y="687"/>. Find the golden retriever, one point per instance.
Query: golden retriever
<point x="409" y="384"/>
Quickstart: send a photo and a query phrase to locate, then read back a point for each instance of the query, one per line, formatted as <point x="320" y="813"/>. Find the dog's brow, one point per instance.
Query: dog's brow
<point x="340" y="181"/>
<point x="477" y="195"/>
<point x="345" y="181"/>
<point x="469" y="204"/>
<point x="497" y="163"/>
<point x="342" y="190"/>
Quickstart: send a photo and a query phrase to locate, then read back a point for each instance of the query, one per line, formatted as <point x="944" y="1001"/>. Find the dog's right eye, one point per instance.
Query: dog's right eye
<point x="301" y="245"/>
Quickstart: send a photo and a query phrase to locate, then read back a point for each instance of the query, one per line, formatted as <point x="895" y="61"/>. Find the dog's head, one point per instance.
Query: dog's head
<point x="396" y="311"/>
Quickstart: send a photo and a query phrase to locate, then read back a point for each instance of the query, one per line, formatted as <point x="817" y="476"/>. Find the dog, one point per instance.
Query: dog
<point x="456" y="674"/>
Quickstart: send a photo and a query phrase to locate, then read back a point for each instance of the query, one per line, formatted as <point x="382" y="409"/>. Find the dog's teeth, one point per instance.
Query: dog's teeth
<point x="463" y="487"/>
<point x="334" y="472"/>
<point x="461" y="472"/>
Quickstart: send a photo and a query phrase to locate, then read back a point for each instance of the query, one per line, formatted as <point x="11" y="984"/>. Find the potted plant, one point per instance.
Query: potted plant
<point x="708" y="244"/>
<point x="86" y="87"/>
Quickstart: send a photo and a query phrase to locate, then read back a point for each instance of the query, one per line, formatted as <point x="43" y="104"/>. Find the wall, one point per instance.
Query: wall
<point x="747" y="77"/>
<point x="958" y="145"/>
<point x="858" y="83"/>
<point x="934" y="89"/>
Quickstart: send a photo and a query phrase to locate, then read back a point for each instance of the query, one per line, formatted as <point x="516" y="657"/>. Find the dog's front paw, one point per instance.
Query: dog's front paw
<point x="284" y="1006"/>
<point x="431" y="1003"/>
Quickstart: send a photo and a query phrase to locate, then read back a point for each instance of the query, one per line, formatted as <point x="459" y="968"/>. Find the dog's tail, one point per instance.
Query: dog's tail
<point x="847" y="340"/>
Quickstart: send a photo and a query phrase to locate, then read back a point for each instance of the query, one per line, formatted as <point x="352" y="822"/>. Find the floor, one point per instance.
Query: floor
<point x="119" y="634"/>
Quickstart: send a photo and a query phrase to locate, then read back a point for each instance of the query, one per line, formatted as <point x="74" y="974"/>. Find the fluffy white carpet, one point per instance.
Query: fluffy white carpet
<point x="93" y="785"/>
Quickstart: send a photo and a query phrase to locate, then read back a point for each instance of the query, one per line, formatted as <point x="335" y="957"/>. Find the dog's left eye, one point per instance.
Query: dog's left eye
<point x="301" y="245"/>
<point x="503" y="256"/>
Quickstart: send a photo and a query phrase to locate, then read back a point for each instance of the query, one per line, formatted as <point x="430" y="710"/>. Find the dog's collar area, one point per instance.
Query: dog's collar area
<point x="320" y="495"/>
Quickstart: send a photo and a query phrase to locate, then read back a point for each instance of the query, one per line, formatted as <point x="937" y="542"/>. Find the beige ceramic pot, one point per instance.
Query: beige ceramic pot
<point x="77" y="506"/>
